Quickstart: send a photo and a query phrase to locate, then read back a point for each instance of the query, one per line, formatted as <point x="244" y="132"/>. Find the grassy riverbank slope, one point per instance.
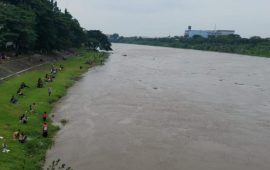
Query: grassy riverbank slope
<point x="31" y="155"/>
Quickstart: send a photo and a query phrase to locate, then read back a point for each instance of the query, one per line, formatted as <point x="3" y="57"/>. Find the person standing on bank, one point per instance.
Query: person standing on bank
<point x="49" y="91"/>
<point x="44" y="116"/>
<point x="45" y="130"/>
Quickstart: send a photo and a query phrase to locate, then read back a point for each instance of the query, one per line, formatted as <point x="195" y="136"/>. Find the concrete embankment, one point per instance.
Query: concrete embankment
<point x="17" y="65"/>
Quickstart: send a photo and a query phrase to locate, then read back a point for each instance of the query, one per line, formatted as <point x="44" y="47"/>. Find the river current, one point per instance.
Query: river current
<point x="153" y="108"/>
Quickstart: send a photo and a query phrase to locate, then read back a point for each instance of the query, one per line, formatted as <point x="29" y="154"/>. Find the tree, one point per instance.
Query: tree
<point x="96" y="39"/>
<point x="18" y="27"/>
<point x="41" y="26"/>
<point x="114" y="37"/>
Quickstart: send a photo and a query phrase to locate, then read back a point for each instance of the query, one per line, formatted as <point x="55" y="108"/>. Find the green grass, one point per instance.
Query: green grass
<point x="31" y="155"/>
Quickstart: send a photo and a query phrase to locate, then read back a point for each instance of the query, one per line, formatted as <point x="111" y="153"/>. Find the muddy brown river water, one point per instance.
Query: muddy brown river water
<point x="152" y="108"/>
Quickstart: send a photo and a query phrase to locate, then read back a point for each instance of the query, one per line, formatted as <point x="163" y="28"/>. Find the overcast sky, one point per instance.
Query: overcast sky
<point x="171" y="17"/>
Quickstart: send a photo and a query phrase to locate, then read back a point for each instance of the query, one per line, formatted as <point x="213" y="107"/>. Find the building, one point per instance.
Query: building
<point x="206" y="33"/>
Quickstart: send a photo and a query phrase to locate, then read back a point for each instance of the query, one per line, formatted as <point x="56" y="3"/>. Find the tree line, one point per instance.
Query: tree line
<point x="40" y="25"/>
<point x="231" y="43"/>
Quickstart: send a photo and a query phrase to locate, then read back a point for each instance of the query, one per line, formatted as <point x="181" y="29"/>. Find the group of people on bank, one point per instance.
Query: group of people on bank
<point x="23" y="119"/>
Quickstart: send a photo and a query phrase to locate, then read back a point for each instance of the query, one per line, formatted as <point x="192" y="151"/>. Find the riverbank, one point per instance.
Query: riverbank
<point x="31" y="155"/>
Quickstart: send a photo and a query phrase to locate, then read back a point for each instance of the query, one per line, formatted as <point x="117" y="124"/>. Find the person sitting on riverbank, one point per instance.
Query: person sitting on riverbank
<point x="53" y="70"/>
<point x="48" y="78"/>
<point x="22" y="138"/>
<point x="61" y="67"/>
<point x="23" y="119"/>
<point x="53" y="75"/>
<point x="45" y="130"/>
<point x="3" y="56"/>
<point x="13" y="100"/>
<point x="32" y="107"/>
<point x="44" y="116"/>
<point x="20" y="92"/>
<point x="16" y="134"/>
<point x="40" y="83"/>
<point x="5" y="147"/>
<point x="23" y="85"/>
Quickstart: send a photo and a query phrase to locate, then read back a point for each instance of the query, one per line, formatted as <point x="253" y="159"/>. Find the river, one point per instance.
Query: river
<point x="153" y="108"/>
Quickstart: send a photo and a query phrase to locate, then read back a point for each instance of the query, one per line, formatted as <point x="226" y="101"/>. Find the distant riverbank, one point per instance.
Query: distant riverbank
<point x="254" y="46"/>
<point x="31" y="155"/>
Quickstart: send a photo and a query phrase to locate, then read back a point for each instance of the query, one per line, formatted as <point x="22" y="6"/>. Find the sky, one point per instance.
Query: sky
<point x="158" y="18"/>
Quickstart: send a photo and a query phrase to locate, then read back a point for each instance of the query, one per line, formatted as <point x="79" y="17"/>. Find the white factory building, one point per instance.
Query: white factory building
<point x="206" y="33"/>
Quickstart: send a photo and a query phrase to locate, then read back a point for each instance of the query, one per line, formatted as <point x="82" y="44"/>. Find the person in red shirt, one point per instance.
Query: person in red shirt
<point x="44" y="116"/>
